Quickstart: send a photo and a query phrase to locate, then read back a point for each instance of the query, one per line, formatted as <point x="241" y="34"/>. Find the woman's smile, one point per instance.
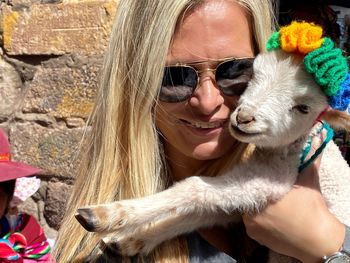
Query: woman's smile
<point x="212" y="128"/>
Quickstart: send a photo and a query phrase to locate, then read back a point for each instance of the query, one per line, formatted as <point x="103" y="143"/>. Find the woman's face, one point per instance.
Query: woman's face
<point x="196" y="130"/>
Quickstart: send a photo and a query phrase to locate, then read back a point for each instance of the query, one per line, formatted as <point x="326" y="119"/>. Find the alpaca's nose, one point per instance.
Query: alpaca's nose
<point x="245" y="116"/>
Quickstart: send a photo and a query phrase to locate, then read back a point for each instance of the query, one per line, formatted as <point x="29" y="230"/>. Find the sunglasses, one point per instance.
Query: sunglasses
<point x="231" y="75"/>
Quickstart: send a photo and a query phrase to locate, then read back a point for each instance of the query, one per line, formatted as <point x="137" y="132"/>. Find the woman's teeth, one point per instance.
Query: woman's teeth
<point x="206" y="125"/>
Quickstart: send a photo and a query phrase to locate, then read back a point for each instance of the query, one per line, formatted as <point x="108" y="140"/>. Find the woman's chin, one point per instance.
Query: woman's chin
<point x="210" y="150"/>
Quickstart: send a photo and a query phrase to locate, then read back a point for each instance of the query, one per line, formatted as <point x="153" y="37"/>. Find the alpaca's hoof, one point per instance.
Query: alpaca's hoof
<point x="87" y="219"/>
<point x="126" y="246"/>
<point x="110" y="247"/>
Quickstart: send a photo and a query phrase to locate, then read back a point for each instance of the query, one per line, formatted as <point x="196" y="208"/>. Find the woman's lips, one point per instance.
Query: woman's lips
<point x="204" y="125"/>
<point x="205" y="128"/>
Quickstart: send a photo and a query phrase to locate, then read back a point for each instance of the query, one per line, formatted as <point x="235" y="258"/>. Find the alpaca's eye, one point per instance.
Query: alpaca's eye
<point x="302" y="108"/>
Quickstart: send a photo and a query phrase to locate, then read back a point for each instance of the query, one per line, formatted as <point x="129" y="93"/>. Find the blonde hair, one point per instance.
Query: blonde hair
<point x="122" y="157"/>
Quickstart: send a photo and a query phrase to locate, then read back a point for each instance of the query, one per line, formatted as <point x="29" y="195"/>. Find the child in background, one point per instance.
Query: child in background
<point x="22" y="240"/>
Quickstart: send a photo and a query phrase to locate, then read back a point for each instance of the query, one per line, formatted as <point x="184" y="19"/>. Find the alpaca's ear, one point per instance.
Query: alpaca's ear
<point x="339" y="120"/>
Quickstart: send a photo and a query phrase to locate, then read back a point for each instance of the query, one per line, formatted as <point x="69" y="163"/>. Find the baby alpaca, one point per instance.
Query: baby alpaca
<point x="276" y="113"/>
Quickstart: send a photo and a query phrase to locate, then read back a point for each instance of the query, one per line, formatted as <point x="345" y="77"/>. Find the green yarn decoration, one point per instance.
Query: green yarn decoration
<point x="273" y="42"/>
<point x="328" y="66"/>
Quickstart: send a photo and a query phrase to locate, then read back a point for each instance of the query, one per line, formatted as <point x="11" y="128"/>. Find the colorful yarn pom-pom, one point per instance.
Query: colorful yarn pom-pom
<point x="324" y="61"/>
<point x="301" y="37"/>
<point x="328" y="66"/>
<point x="341" y="100"/>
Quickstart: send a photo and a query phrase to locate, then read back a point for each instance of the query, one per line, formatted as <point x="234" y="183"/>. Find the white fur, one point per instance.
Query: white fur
<point x="278" y="129"/>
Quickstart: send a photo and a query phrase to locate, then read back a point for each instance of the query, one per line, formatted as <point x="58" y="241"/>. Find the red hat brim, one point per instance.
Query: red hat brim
<point x="12" y="170"/>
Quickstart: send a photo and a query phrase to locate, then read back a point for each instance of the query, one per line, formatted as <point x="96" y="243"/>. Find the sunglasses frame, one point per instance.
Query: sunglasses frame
<point x="198" y="72"/>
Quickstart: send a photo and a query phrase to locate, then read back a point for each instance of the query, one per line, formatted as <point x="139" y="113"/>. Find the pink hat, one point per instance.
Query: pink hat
<point x="10" y="170"/>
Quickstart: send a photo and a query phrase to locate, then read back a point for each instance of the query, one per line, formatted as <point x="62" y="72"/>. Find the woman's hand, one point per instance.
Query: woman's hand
<point x="300" y="224"/>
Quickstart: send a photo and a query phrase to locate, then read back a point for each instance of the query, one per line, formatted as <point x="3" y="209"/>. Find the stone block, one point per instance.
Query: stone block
<point x="53" y="150"/>
<point x="56" y="29"/>
<point x="55" y="205"/>
<point x="41" y="193"/>
<point x="75" y="122"/>
<point x="10" y="89"/>
<point x="63" y="92"/>
<point x="23" y="3"/>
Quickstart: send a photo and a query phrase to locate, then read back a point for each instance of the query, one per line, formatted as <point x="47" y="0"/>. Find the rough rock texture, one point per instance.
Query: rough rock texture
<point x="56" y="29"/>
<point x="64" y="91"/>
<point x="54" y="150"/>
<point x="57" y="194"/>
<point x="10" y="89"/>
<point x="51" y="52"/>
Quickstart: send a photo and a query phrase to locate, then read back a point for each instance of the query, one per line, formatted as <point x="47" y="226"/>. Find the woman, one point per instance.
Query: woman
<point x="143" y="139"/>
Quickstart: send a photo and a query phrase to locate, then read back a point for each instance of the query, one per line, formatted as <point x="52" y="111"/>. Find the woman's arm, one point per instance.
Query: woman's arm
<point x="300" y="225"/>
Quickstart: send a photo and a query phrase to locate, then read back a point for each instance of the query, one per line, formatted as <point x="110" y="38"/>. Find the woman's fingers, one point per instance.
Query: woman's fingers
<point x="309" y="176"/>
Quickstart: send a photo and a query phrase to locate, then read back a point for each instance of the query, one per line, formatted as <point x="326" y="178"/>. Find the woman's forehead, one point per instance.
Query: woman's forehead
<point x="214" y="30"/>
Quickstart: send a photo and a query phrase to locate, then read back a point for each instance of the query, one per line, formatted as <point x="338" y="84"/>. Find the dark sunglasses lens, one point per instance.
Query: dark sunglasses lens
<point x="233" y="76"/>
<point x="178" y="84"/>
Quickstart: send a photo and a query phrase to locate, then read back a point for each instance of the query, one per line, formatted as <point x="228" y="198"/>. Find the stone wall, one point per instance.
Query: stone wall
<point x="50" y="56"/>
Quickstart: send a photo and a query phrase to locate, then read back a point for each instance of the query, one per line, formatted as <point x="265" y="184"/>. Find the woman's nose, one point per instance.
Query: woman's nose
<point x="207" y="96"/>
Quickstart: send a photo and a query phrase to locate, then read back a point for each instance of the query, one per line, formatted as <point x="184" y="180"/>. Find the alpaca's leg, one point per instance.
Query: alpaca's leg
<point x="186" y="197"/>
<point x="145" y="239"/>
<point x="239" y="190"/>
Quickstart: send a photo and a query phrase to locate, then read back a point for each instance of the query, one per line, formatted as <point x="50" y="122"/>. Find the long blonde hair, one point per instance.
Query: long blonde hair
<point x="122" y="157"/>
